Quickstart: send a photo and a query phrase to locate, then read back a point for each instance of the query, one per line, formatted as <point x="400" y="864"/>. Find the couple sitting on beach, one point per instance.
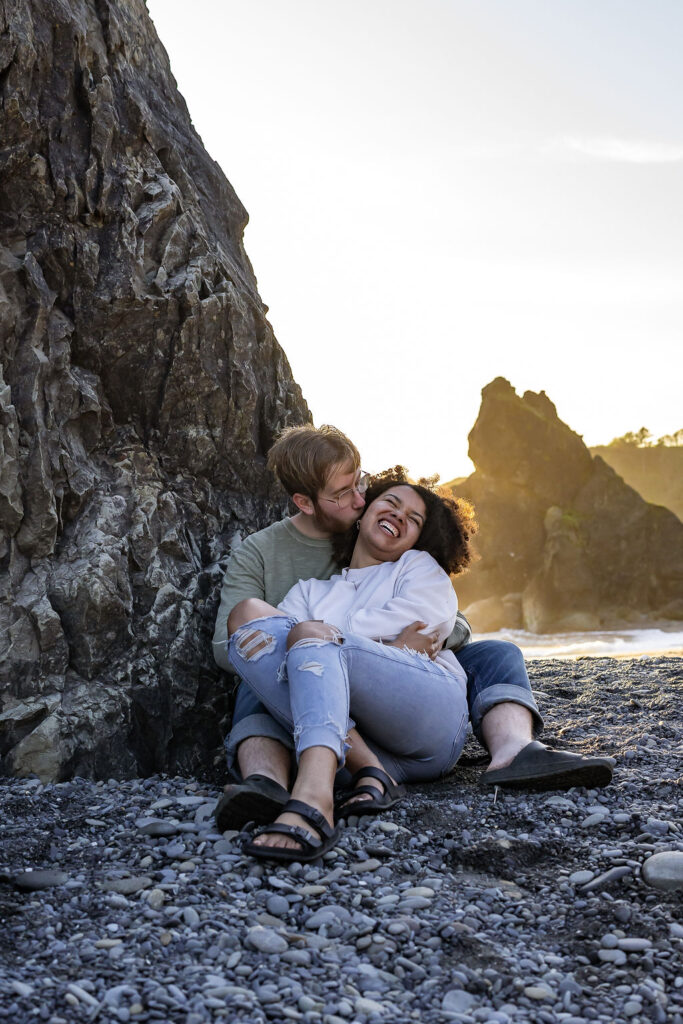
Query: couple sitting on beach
<point x="342" y="623"/>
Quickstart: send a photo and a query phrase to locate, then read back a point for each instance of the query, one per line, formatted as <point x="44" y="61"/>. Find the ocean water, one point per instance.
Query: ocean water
<point x="621" y="643"/>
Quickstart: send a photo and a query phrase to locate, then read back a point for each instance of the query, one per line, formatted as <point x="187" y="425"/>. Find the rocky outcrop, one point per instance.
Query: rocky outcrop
<point x="564" y="543"/>
<point x="140" y="387"/>
<point x="655" y="471"/>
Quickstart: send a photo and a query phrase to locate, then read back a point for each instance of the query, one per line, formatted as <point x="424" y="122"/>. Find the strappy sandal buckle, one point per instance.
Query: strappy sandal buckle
<point x="312" y="847"/>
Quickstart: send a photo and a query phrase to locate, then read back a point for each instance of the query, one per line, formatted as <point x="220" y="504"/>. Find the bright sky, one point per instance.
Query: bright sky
<point x="445" y="191"/>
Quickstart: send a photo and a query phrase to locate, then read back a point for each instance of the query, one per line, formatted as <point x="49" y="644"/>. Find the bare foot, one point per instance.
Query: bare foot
<point x="506" y="754"/>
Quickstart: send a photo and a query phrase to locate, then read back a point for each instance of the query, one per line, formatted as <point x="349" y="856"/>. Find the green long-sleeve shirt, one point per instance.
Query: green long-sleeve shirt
<point x="269" y="563"/>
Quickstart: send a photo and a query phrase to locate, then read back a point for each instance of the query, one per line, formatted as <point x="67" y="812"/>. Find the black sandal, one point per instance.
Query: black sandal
<point x="392" y="795"/>
<point x="312" y="847"/>
<point x="257" y="798"/>
<point x="538" y="767"/>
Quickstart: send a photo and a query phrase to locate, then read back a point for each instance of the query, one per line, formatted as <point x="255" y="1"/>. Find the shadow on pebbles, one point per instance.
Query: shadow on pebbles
<point x="120" y="901"/>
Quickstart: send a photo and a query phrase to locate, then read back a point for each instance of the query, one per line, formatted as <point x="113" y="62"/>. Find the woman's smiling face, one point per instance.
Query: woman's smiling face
<point x="393" y="522"/>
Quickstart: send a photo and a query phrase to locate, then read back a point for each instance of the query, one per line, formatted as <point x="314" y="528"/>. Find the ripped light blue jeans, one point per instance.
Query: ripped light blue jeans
<point x="410" y="711"/>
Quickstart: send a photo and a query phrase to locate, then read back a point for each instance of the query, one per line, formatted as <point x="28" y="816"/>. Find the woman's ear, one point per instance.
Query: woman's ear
<point x="304" y="504"/>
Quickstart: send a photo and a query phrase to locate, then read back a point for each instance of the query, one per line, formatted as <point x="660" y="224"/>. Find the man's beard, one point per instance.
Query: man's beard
<point x="330" y="523"/>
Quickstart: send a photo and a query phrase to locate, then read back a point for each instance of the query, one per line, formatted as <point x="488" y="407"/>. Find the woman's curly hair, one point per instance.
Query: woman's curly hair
<point x="446" y="534"/>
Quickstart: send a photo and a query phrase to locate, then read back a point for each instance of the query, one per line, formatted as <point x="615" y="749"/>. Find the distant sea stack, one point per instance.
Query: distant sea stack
<point x="564" y="543"/>
<point x="655" y="471"/>
<point x="140" y="388"/>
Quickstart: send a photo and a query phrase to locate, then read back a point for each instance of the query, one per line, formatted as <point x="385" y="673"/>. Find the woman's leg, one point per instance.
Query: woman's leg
<point x="319" y="710"/>
<point x="409" y="709"/>
<point x="408" y="705"/>
<point x="411" y="712"/>
<point x="248" y="610"/>
<point x="257" y="649"/>
<point x="359" y="756"/>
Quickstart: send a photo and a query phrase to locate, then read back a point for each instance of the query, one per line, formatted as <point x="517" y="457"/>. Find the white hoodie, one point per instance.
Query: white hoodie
<point x="380" y="600"/>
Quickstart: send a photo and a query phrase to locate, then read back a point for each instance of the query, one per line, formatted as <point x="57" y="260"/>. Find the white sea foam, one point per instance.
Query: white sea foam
<point x="622" y="643"/>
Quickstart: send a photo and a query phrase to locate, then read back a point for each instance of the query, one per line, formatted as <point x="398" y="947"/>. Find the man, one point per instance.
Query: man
<point x="320" y="470"/>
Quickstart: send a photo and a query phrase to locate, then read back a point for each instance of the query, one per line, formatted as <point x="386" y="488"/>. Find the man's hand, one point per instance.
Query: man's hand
<point x="414" y="640"/>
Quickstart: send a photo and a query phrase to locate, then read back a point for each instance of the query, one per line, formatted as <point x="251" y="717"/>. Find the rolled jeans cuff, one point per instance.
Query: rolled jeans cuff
<point x="503" y="693"/>
<point x="253" y="725"/>
<point x="321" y="736"/>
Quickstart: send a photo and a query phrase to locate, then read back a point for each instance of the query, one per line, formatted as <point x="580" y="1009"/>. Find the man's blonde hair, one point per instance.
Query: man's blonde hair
<point x="302" y="458"/>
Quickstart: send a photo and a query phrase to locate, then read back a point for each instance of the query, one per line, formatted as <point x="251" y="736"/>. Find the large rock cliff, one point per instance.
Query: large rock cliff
<point x="564" y="542"/>
<point x="140" y="387"/>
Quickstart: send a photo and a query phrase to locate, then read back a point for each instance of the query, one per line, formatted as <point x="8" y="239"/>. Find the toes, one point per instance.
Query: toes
<point x="279" y="841"/>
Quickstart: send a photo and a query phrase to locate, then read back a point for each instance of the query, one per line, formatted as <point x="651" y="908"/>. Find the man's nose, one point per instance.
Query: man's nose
<point x="358" y="499"/>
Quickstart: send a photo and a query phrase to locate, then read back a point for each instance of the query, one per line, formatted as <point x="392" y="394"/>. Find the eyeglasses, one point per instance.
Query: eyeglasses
<point x="344" y="499"/>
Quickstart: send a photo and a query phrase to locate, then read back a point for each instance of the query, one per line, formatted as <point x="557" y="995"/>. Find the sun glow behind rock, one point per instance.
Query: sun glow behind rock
<point x="441" y="193"/>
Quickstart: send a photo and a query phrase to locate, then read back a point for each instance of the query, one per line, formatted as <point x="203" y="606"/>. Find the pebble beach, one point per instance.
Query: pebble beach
<point x="121" y="902"/>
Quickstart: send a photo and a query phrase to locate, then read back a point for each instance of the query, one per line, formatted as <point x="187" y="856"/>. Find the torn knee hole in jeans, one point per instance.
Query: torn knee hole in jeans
<point x="318" y="641"/>
<point x="316" y="667"/>
<point x="254" y="644"/>
<point x="311" y="666"/>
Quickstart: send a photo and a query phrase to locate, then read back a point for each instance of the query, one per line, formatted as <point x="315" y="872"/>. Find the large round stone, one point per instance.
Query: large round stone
<point x="664" y="870"/>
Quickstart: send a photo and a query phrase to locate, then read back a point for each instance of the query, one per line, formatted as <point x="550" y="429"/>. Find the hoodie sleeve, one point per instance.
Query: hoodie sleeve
<point x="422" y="591"/>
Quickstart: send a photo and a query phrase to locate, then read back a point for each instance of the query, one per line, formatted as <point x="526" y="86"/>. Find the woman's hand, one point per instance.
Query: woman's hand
<point x="414" y="640"/>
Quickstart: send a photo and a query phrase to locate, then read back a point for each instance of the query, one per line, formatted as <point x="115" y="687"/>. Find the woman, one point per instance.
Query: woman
<point x="360" y="644"/>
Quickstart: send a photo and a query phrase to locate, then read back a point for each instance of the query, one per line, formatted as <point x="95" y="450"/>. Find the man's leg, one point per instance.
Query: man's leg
<point x="257" y="744"/>
<point x="504" y="713"/>
<point x="506" y="729"/>
<point x="505" y="719"/>
<point x="259" y="755"/>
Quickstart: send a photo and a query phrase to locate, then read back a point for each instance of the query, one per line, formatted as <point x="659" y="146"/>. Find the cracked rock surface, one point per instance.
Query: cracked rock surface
<point x="140" y="387"/>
